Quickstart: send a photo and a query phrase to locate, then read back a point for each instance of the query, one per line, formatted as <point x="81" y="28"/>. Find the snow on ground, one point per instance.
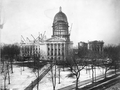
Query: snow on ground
<point x="19" y="79"/>
<point x="46" y="82"/>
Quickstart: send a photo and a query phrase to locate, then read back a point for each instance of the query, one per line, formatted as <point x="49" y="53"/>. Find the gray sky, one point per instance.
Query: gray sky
<point x="91" y="19"/>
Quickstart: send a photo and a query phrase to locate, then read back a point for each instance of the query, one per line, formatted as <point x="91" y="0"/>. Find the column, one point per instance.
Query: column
<point x="64" y="51"/>
<point x="50" y="50"/>
<point x="54" y="50"/>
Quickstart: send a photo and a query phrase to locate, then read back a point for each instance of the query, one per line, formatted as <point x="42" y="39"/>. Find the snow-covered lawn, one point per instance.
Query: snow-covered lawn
<point x="46" y="82"/>
<point x="19" y="79"/>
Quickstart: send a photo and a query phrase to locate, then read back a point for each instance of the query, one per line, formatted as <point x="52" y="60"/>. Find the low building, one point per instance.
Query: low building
<point x="96" y="46"/>
<point x="83" y="45"/>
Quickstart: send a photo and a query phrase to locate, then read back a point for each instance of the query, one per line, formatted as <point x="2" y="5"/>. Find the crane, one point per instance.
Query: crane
<point x="43" y="35"/>
<point x="70" y="29"/>
<point x="33" y="37"/>
<point x="28" y="39"/>
<point x="23" y="38"/>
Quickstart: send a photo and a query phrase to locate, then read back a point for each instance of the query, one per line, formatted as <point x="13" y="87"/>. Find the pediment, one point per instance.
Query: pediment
<point x="55" y="39"/>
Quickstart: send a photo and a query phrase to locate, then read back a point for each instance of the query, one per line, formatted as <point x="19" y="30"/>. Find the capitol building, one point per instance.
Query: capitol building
<point x="58" y="47"/>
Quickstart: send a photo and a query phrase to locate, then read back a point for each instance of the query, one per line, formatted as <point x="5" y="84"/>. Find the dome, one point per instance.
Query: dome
<point x="60" y="26"/>
<point x="60" y="16"/>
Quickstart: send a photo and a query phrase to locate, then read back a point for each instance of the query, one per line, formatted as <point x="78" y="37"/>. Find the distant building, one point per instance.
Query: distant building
<point x="96" y="46"/>
<point x="83" y="45"/>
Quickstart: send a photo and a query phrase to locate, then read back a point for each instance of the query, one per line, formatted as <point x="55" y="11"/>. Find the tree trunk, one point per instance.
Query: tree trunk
<point x="95" y="74"/>
<point x="11" y="62"/>
<point x="105" y="73"/>
<point x="77" y="83"/>
<point x="71" y="68"/>
<point x="2" y="67"/>
<point x="32" y="85"/>
<point x="53" y="76"/>
<point x="8" y="77"/>
<point x="53" y="87"/>
<point x="23" y="63"/>
<point x="59" y="75"/>
<point x="55" y="70"/>
<point x="63" y="65"/>
<point x="5" y="83"/>
<point x="92" y="75"/>
<point x="89" y="72"/>
<point x="38" y="81"/>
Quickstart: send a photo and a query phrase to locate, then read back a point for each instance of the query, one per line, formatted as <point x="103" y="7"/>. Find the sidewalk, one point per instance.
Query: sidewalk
<point x="102" y="84"/>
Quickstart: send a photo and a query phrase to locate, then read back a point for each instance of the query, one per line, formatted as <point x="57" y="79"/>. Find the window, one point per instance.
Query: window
<point x="62" y="53"/>
<point x="58" y="52"/>
<point x="48" y="49"/>
<point x="51" y="53"/>
<point x="55" y="53"/>
<point x="48" y="53"/>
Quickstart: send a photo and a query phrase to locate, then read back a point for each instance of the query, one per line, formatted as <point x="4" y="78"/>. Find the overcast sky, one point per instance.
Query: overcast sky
<point x="90" y="19"/>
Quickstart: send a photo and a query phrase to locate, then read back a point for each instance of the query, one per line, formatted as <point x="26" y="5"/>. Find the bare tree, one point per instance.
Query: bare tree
<point x="94" y="57"/>
<point x="59" y="75"/>
<point x="113" y="54"/>
<point x="9" y="52"/>
<point x="5" y="73"/>
<point x="37" y="68"/>
<point x="53" y="73"/>
<point x="76" y="65"/>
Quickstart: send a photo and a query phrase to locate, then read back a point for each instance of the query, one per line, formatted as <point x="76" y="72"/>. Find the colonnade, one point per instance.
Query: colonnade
<point x="56" y="50"/>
